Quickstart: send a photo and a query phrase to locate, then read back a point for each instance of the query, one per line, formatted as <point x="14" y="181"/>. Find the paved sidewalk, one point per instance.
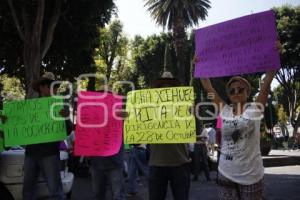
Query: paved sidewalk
<point x="281" y="183"/>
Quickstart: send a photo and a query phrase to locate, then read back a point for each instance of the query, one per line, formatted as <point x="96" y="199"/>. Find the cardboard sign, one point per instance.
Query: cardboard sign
<point x="160" y="116"/>
<point x="98" y="129"/>
<point x="239" y="46"/>
<point x="33" y="121"/>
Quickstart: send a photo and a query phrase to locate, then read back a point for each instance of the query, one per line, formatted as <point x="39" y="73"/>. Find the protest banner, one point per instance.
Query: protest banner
<point x="33" y="121"/>
<point x="98" y="130"/>
<point x="239" y="46"/>
<point x="160" y="116"/>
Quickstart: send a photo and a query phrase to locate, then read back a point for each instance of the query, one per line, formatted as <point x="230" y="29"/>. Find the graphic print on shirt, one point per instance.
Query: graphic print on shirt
<point x="236" y="132"/>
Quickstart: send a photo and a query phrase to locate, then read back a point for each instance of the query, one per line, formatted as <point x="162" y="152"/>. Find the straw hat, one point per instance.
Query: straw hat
<point x="46" y="78"/>
<point x="166" y="79"/>
<point x="241" y="80"/>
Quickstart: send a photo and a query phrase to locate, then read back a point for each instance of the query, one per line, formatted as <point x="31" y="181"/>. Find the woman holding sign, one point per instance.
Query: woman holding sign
<point x="240" y="168"/>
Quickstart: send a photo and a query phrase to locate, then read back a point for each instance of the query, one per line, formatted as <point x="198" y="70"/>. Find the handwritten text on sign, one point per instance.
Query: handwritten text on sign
<point x="240" y="46"/>
<point x="160" y="116"/>
<point x="33" y="121"/>
<point x="98" y="129"/>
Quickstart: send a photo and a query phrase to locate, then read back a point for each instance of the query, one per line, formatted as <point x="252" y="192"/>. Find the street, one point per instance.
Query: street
<point x="280" y="183"/>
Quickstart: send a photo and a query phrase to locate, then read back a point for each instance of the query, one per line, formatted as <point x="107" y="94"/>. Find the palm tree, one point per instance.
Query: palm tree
<point x="177" y="15"/>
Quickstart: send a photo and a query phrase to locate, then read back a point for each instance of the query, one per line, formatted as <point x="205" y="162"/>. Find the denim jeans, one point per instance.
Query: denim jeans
<point x="108" y="180"/>
<point x="50" y="168"/>
<point x="137" y="162"/>
<point x="179" y="178"/>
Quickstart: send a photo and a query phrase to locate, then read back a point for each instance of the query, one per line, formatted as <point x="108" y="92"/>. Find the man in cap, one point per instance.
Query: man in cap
<point x="44" y="157"/>
<point x="169" y="162"/>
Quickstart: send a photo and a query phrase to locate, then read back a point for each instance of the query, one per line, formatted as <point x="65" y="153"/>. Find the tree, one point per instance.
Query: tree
<point x="34" y="34"/>
<point x="148" y="57"/>
<point x="112" y="47"/>
<point x="55" y="35"/>
<point x="288" y="26"/>
<point x="177" y="15"/>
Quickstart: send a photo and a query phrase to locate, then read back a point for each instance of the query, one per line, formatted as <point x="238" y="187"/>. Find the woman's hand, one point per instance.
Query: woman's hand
<point x="278" y="46"/>
<point x="196" y="59"/>
<point x="265" y="88"/>
<point x="122" y="114"/>
<point x="64" y="113"/>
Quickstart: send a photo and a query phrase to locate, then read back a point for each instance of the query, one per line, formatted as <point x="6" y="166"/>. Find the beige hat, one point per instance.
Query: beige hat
<point x="47" y="77"/>
<point x="166" y="79"/>
<point x="241" y="80"/>
<point x="167" y="74"/>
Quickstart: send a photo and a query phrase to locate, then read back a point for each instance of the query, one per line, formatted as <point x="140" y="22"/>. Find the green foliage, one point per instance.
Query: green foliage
<point x="288" y="26"/>
<point x="167" y="13"/>
<point x="177" y="15"/>
<point x="288" y="23"/>
<point x="75" y="37"/>
<point x="148" y="57"/>
<point x="12" y="88"/>
<point x="282" y="116"/>
<point x="113" y="49"/>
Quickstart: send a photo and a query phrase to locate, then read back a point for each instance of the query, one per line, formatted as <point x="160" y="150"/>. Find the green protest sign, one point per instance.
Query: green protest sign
<point x="1" y="135"/>
<point x="33" y="121"/>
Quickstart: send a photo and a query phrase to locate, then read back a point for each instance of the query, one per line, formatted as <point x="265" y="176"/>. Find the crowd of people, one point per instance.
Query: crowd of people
<point x="240" y="169"/>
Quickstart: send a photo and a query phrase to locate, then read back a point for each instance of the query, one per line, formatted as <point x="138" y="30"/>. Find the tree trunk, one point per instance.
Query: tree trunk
<point x="108" y="72"/>
<point x="32" y="63"/>
<point x="30" y="33"/>
<point x="180" y="49"/>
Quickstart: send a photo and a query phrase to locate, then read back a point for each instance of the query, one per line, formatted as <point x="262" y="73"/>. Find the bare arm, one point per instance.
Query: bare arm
<point x="210" y="90"/>
<point x="265" y="88"/>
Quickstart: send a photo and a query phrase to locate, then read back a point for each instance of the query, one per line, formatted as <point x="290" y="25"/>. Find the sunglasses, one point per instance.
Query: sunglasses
<point x="237" y="90"/>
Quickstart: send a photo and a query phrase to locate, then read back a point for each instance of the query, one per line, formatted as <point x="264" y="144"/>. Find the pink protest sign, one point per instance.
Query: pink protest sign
<point x="98" y="130"/>
<point x="239" y="46"/>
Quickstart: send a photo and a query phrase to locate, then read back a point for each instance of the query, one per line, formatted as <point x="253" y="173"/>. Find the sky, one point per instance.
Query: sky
<point x="137" y="20"/>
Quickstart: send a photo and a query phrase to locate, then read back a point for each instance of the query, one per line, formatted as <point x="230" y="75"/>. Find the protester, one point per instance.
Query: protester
<point x="107" y="172"/>
<point x="218" y="141"/>
<point x="201" y="156"/>
<point x="169" y="162"/>
<point x="211" y="139"/>
<point x="218" y="131"/>
<point x="240" y="168"/>
<point x="44" y="157"/>
<point x="137" y="162"/>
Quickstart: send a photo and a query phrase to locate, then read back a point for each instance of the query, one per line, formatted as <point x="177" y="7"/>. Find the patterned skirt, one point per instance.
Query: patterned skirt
<point x="229" y="190"/>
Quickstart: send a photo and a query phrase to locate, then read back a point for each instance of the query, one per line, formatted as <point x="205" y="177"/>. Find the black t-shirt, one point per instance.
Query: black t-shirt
<point x="42" y="150"/>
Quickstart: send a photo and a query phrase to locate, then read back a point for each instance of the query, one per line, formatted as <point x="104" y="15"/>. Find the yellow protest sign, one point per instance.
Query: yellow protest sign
<point x="160" y="116"/>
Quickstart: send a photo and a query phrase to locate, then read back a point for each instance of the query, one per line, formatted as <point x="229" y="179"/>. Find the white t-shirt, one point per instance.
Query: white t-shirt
<point x="240" y="159"/>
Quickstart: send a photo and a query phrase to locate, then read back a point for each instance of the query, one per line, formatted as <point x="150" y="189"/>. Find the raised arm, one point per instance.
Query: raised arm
<point x="210" y="90"/>
<point x="265" y="88"/>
